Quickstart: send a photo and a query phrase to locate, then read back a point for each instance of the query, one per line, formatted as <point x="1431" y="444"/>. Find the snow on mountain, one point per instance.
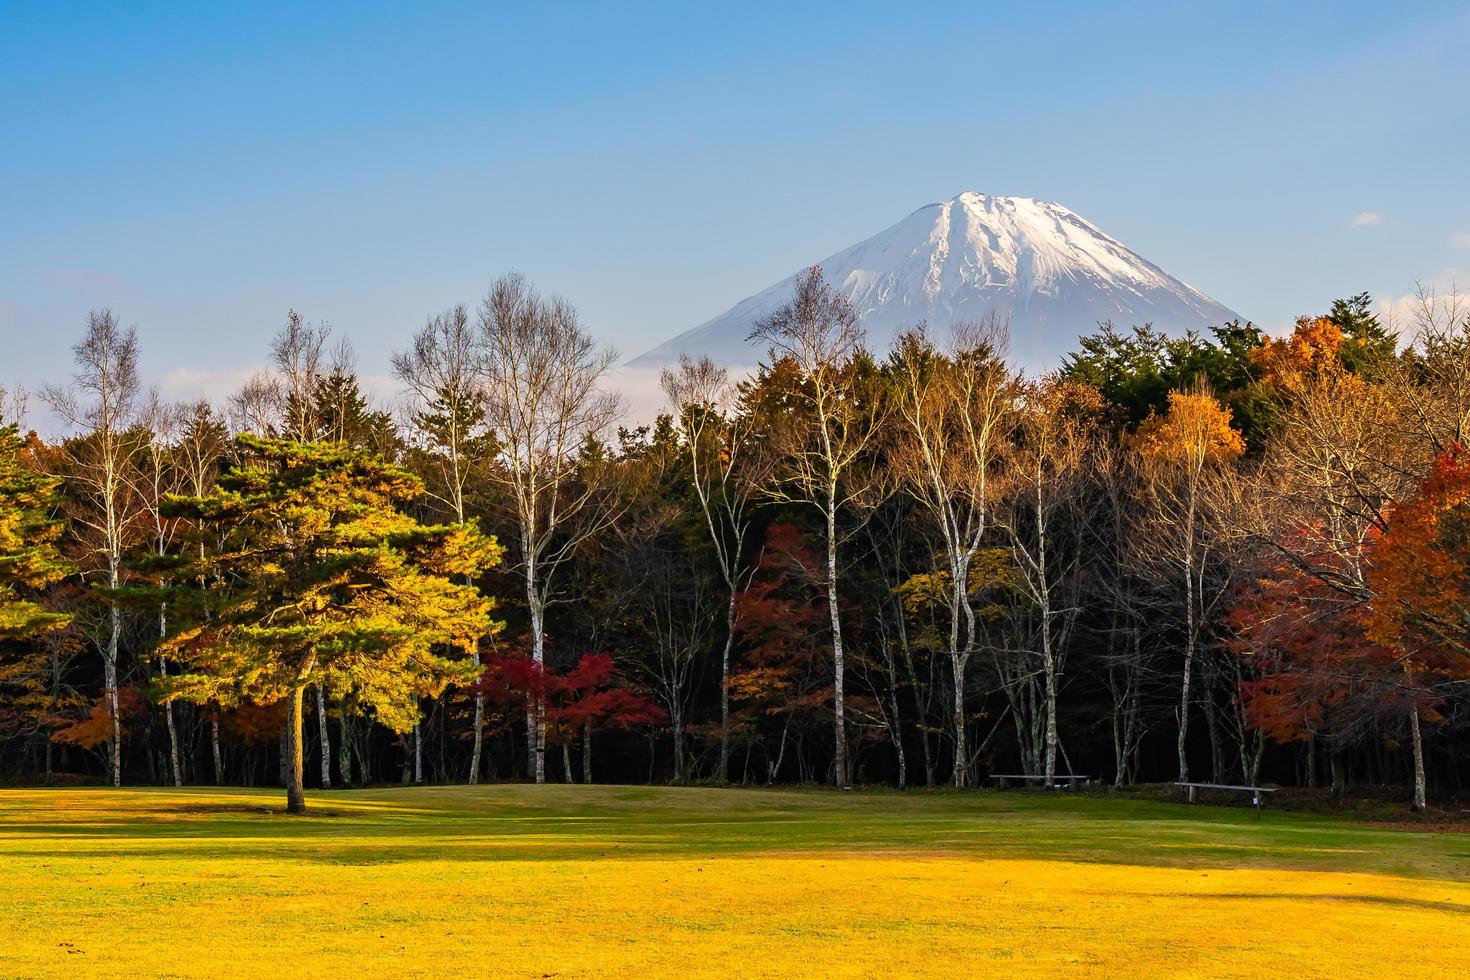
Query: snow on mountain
<point x="1055" y="274"/>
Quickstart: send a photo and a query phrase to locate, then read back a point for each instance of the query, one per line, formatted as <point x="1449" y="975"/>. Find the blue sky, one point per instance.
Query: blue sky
<point x="203" y="168"/>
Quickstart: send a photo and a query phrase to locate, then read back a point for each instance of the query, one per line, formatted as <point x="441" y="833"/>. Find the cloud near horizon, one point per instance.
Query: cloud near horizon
<point x="1366" y="219"/>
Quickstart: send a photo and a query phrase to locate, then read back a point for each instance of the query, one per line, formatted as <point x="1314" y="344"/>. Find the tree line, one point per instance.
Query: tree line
<point x="1223" y="556"/>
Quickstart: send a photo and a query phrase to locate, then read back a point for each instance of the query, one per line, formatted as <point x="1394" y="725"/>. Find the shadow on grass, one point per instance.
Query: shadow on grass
<point x="515" y="823"/>
<point x="1415" y="904"/>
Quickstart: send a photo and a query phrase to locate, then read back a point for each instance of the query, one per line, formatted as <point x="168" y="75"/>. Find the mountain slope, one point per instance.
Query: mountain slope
<point x="1052" y="272"/>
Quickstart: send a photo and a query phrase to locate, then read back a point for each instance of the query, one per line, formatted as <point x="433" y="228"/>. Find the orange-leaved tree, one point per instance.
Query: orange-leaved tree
<point x="1421" y="578"/>
<point x="1181" y="454"/>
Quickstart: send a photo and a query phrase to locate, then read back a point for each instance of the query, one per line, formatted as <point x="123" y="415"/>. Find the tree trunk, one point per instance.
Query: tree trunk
<point x="479" y="733"/>
<point x="168" y="706"/>
<point x="587" y="752"/>
<point x="723" y="775"/>
<point x="295" y="763"/>
<point x="1212" y="727"/>
<point x="321" y="720"/>
<point x="1188" y="666"/>
<point x="919" y="706"/>
<point x="173" y="732"/>
<point x="773" y="768"/>
<point x="961" y="771"/>
<point x="903" y="767"/>
<point x="219" y="762"/>
<point x="1418" y="739"/>
<point x="109" y="683"/>
<point x="418" y="754"/>
<point x="344" y="749"/>
<point x="840" y="727"/>
<point x="1049" y="666"/>
<point x="535" y="708"/>
<point x="1339" y="778"/>
<point x="676" y="721"/>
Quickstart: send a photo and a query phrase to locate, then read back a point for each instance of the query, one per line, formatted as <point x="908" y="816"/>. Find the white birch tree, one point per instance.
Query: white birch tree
<point x="540" y="375"/>
<point x="823" y="443"/>
<point x="101" y="465"/>
<point x="955" y="412"/>
<point x="724" y="475"/>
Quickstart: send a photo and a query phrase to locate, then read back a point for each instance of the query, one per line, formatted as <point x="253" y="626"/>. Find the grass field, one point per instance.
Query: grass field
<point x="598" y="881"/>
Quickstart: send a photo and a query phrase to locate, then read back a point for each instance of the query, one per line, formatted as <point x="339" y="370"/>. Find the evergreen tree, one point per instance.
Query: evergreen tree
<point x="1367" y="344"/>
<point x="29" y="559"/>
<point x="325" y="579"/>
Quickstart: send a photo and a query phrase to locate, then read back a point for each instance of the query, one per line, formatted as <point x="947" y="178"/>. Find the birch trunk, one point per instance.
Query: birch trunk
<point x="535" y="709"/>
<point x="321" y="720"/>
<point x="479" y="736"/>
<point x="175" y="770"/>
<point x="418" y="754"/>
<point x="109" y="683"/>
<point x="961" y="770"/>
<point x="840" y="727"/>
<point x="1418" y="739"/>
<point x="168" y="706"/>
<point x="724" y="771"/>
<point x="897" y="728"/>
<point x="1188" y="662"/>
<point x="219" y="762"/>
<point x="676" y="721"/>
<point x="587" y="752"/>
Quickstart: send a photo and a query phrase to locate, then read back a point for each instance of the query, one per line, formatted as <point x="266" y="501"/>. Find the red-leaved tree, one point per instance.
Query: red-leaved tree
<point x="592" y="696"/>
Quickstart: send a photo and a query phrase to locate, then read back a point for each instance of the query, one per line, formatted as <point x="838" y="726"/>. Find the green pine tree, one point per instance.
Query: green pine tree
<point x="29" y="559"/>
<point x="1367" y="344"/>
<point x="325" y="578"/>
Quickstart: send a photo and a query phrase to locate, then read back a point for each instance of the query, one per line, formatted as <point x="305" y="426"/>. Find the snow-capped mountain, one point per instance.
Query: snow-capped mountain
<point x="1055" y="274"/>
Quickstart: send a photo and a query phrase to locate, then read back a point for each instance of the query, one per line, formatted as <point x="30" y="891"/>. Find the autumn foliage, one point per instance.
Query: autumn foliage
<point x="1421" y="574"/>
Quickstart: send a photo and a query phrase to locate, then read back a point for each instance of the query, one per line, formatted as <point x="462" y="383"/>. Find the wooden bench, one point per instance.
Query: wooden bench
<point x="1257" y="798"/>
<point x="1071" y="782"/>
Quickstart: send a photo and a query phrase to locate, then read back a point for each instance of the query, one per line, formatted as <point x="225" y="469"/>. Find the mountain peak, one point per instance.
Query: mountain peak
<point x="1052" y="272"/>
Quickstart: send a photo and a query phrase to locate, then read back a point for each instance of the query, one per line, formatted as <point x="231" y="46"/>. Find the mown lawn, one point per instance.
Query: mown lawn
<point x="599" y="881"/>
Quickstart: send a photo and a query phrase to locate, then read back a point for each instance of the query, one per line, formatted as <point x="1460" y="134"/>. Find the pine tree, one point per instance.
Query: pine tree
<point x="1367" y="343"/>
<point x="29" y="559"/>
<point x="325" y="579"/>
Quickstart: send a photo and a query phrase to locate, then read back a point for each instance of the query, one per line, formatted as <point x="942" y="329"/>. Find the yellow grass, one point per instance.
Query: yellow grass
<point x="572" y="881"/>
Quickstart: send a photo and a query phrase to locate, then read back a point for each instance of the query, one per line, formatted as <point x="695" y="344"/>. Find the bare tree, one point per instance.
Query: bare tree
<point x="1436" y="377"/>
<point x="823" y="443"/>
<point x="442" y="371"/>
<point x="1180" y="455"/>
<point x="101" y="466"/>
<point x="198" y="450"/>
<point x="540" y="375"/>
<point x="1056" y="436"/>
<point x="1128" y="667"/>
<point x="14" y="404"/>
<point x="297" y="351"/>
<point x="159" y="475"/>
<point x="723" y="474"/>
<point x="956" y="412"/>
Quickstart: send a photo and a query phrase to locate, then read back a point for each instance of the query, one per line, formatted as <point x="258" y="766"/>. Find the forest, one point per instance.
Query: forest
<point x="1232" y="557"/>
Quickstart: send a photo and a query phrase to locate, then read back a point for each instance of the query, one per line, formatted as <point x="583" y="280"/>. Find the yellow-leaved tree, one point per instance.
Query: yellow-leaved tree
<point x="1181" y="454"/>
<point x="325" y="578"/>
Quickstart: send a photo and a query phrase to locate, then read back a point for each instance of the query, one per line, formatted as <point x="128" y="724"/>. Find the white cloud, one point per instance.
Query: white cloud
<point x="1460" y="239"/>
<point x="189" y="383"/>
<point x="1366" y="219"/>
